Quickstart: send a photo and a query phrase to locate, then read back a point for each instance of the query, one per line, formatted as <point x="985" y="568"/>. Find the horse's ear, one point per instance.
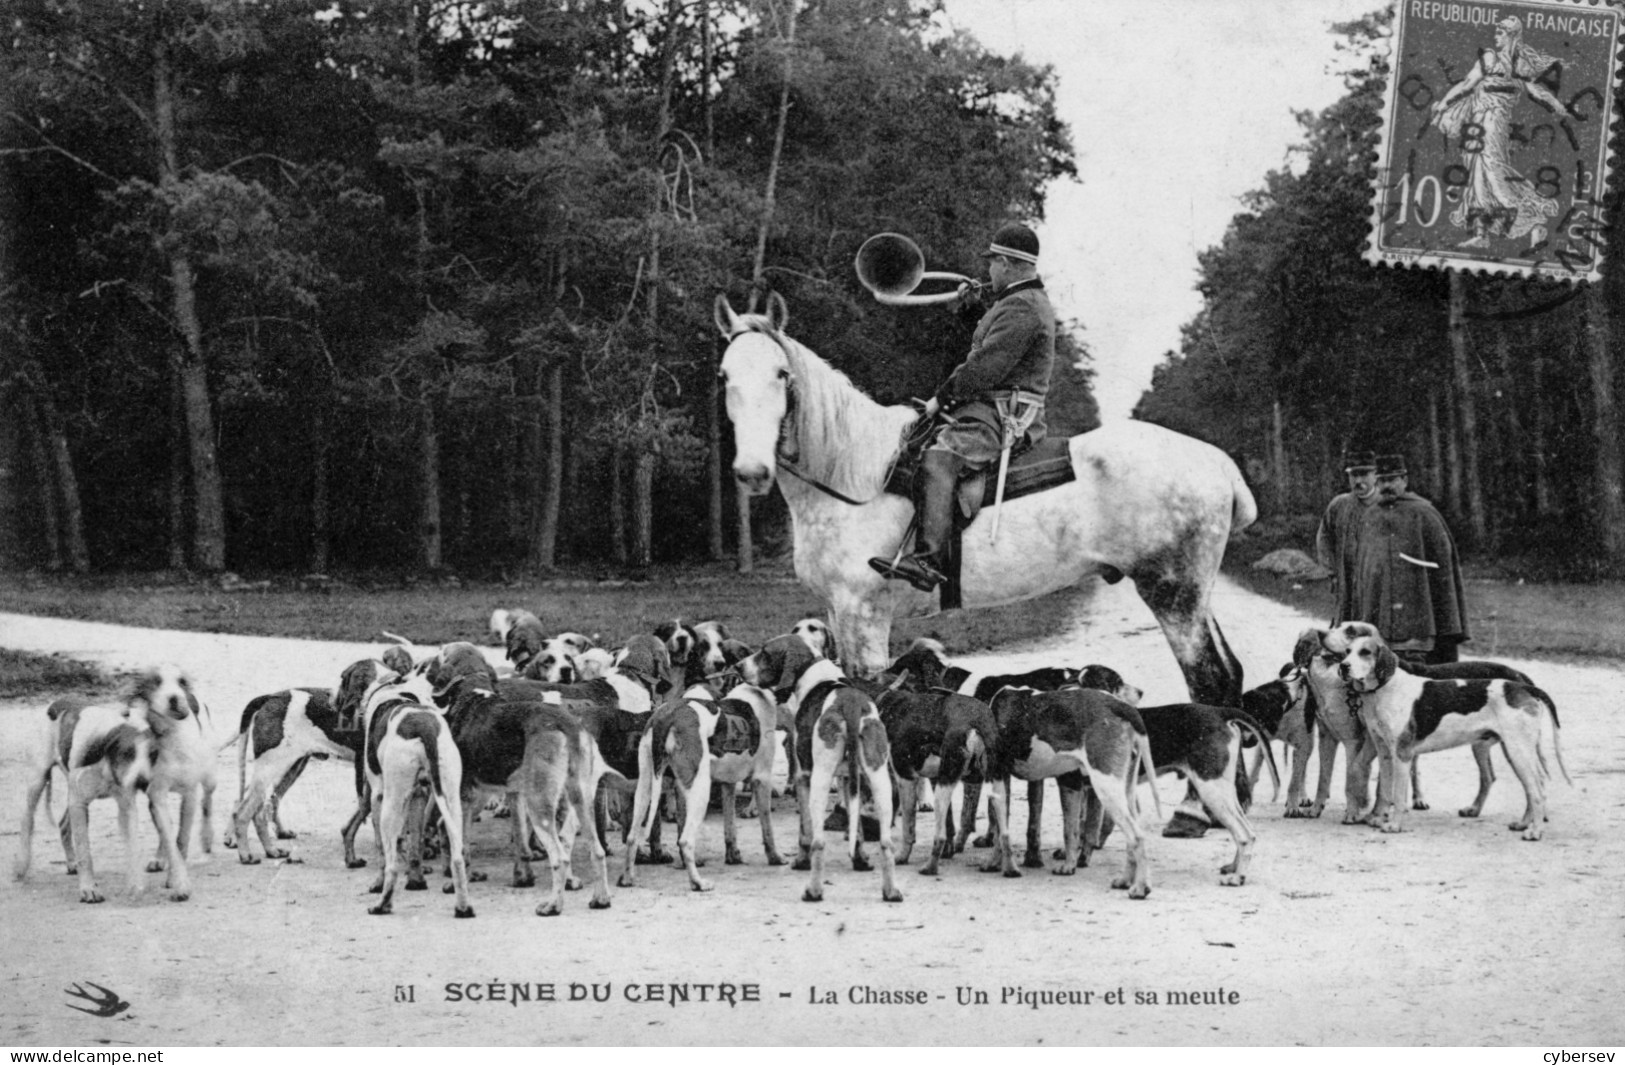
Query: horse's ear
<point x="778" y="312"/>
<point x="727" y="321"/>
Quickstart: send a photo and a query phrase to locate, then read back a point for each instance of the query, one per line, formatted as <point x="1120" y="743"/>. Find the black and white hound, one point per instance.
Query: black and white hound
<point x="838" y="735"/>
<point x="1407" y="715"/>
<point x="157" y="743"/>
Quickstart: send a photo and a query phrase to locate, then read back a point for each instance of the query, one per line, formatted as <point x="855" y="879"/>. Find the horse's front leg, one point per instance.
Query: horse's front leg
<point x="862" y="629"/>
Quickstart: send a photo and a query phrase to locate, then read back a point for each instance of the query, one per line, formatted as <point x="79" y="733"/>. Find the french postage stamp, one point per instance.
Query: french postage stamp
<point x="1494" y="151"/>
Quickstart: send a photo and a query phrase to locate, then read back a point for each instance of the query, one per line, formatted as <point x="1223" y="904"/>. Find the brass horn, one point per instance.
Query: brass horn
<point x="891" y="266"/>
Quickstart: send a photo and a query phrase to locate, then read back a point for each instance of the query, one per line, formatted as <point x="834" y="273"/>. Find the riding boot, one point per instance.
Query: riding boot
<point x="934" y="484"/>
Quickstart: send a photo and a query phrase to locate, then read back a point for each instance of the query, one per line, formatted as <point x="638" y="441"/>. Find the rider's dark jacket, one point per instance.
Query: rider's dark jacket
<point x="1013" y="349"/>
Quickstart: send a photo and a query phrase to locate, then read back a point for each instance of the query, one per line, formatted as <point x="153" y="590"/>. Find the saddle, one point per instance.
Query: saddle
<point x="1036" y="468"/>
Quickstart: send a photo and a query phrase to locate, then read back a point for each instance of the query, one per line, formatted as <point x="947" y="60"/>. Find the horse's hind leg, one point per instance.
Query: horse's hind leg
<point x="1183" y="607"/>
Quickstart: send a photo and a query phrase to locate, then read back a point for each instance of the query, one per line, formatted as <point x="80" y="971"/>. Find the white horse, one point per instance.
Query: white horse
<point x="1148" y="504"/>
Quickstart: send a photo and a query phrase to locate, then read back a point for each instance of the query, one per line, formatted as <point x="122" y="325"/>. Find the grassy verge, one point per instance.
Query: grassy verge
<point x="753" y="606"/>
<point x="1508" y="615"/>
<point x="24" y="675"/>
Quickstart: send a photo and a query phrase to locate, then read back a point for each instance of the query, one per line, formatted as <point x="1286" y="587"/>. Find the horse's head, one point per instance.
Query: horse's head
<point x="758" y="386"/>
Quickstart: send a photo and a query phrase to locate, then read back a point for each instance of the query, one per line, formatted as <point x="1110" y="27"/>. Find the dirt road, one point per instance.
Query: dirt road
<point x="1456" y="932"/>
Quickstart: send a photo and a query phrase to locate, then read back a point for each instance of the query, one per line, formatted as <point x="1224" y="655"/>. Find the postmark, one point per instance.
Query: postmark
<point x="1494" y="141"/>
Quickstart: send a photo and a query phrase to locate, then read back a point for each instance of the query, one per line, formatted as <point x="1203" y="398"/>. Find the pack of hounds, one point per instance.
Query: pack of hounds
<point x="566" y="738"/>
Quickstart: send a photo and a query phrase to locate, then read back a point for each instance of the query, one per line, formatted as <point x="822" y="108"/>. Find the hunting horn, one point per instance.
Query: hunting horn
<point x="891" y="266"/>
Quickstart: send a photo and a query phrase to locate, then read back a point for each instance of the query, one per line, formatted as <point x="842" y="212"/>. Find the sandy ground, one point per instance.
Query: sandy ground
<point x="1456" y="932"/>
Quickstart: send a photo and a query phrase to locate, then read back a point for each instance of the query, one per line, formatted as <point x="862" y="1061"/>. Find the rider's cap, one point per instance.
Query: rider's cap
<point x="1360" y="461"/>
<point x="1390" y="465"/>
<point x="1014" y="241"/>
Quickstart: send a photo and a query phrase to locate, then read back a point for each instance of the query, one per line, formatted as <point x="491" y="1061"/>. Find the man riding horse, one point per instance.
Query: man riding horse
<point x="992" y="403"/>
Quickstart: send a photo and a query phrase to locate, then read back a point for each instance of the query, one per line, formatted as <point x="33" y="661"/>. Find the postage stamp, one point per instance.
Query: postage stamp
<point x="1494" y="152"/>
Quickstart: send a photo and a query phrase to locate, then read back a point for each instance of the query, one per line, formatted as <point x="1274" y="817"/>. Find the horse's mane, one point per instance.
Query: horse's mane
<point x="846" y="440"/>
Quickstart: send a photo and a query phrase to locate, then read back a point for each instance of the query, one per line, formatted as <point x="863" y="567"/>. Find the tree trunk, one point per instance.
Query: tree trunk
<point x="67" y="488"/>
<point x="1609" y="492"/>
<point x="545" y="553"/>
<point x="713" y="471"/>
<point x="1452" y="459"/>
<point x="178" y="469"/>
<point x="48" y="491"/>
<point x="209" y="517"/>
<point x="643" y="485"/>
<point x="321" y="540"/>
<point x="13" y="555"/>
<point x="1278" y="458"/>
<point x="1435" y="457"/>
<point x="617" y="504"/>
<point x="429" y="534"/>
<point x="1467" y="415"/>
<point x="1545" y="505"/>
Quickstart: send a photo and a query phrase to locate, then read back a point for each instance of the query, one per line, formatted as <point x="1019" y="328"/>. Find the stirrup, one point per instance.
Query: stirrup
<point x="912" y="568"/>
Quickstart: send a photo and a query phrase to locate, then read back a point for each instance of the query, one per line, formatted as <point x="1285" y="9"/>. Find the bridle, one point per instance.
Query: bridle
<point x="787" y="452"/>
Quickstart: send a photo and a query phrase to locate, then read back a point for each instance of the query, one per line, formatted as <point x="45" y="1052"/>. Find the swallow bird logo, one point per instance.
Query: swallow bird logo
<point x="108" y="1003"/>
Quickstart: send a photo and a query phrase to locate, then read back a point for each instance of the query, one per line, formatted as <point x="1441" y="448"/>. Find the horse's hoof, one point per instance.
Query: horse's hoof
<point x="598" y="904"/>
<point x="463" y="911"/>
<point x="524" y="881"/>
<point x="1419" y="805"/>
<point x="572" y="883"/>
<point x="283" y="833"/>
<point x="982" y="842"/>
<point x="654" y="857"/>
<point x="229" y="843"/>
<point x="477" y="878"/>
<point x="277" y="854"/>
<point x="701" y="885"/>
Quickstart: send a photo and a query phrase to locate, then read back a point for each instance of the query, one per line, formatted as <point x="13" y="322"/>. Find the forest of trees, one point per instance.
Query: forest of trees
<point x="308" y="285"/>
<point x="1503" y="394"/>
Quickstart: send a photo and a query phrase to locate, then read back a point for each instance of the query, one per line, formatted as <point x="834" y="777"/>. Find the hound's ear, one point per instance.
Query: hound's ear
<point x="723" y="314"/>
<point x="778" y="312"/>
<point x="1387" y="663"/>
<point x="1308" y="645"/>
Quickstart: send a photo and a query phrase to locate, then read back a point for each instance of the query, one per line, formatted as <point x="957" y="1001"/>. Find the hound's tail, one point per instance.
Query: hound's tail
<point x="1557" y="746"/>
<point x="1142" y="743"/>
<point x="1245" y="723"/>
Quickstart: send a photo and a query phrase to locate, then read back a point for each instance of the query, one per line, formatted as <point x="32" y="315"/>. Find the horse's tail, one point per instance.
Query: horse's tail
<point x="1243" y="507"/>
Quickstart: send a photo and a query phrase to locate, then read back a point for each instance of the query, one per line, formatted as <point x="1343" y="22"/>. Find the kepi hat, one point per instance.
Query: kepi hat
<point x="1391" y="466"/>
<point x="1014" y="241"/>
<point x="1359" y="461"/>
